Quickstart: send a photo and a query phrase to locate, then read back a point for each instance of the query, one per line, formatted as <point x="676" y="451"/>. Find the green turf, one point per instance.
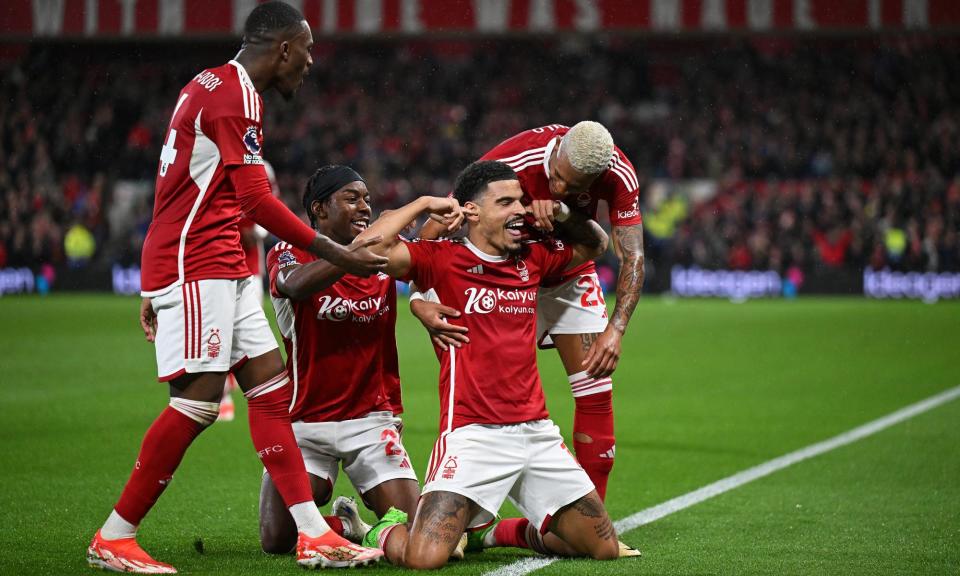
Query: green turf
<point x="705" y="389"/>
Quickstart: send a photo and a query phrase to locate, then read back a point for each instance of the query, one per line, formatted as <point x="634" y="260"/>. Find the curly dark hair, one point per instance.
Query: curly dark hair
<point x="475" y="178"/>
<point x="267" y="19"/>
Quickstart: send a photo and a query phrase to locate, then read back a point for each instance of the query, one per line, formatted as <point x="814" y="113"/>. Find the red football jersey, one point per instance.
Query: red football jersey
<point x="341" y="343"/>
<point x="193" y="235"/>
<point x="494" y="378"/>
<point x="528" y="154"/>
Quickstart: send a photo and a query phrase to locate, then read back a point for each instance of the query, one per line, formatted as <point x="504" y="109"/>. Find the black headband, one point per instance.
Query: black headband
<point x="322" y="186"/>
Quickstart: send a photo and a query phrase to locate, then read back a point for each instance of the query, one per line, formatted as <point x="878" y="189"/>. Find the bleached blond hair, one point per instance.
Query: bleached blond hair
<point x="588" y="146"/>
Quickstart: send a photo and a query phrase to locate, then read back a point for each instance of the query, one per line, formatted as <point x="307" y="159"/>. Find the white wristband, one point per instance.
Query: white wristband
<point x="428" y="296"/>
<point x="564" y="214"/>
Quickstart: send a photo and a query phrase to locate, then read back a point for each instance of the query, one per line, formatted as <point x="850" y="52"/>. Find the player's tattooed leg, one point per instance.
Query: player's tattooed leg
<point x="437" y="529"/>
<point x="592" y="508"/>
<point x="585" y="526"/>
<point x="587" y="340"/>
<point x="444" y="516"/>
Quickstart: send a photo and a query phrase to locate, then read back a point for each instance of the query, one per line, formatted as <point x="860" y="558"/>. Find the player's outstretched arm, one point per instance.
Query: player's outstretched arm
<point x="433" y="229"/>
<point x="297" y="281"/>
<point x="390" y="223"/>
<point x="260" y="205"/>
<point x="587" y="238"/>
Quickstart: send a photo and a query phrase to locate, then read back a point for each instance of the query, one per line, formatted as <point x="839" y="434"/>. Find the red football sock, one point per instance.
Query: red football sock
<point x="335" y="523"/>
<point x="163" y="448"/>
<point x="511" y="532"/>
<point x="273" y="439"/>
<point x="593" y="418"/>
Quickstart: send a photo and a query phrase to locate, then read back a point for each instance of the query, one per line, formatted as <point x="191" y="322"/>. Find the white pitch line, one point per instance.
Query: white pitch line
<point x="527" y="565"/>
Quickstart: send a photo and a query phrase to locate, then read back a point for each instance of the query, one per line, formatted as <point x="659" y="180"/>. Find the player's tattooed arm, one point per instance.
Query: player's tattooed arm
<point x="604" y="353"/>
<point x="628" y="244"/>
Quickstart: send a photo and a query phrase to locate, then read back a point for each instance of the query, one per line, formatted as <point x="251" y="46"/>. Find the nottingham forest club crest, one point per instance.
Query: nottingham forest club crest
<point x="450" y="468"/>
<point x="522" y="270"/>
<point x="213" y="343"/>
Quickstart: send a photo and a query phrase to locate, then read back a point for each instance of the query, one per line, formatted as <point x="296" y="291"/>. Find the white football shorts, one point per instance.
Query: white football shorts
<point x="528" y="463"/>
<point x="210" y="326"/>
<point x="369" y="447"/>
<point x="574" y="307"/>
<point x="258" y="289"/>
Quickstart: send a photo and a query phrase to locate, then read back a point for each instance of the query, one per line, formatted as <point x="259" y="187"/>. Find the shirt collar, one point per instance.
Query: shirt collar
<point x="242" y="72"/>
<point x="548" y="152"/>
<point x="482" y="255"/>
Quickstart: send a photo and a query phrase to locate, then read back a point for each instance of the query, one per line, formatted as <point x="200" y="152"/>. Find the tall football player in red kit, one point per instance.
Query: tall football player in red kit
<point x="340" y="334"/>
<point x="198" y="305"/>
<point x="580" y="166"/>
<point x="496" y="439"/>
<point x="252" y="236"/>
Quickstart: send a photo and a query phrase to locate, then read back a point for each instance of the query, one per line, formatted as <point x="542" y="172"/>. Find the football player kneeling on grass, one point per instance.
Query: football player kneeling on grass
<point x="339" y="332"/>
<point x="496" y="439"/>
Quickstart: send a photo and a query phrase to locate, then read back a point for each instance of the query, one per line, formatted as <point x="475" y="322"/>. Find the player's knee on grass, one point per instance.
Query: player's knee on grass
<point x="275" y="539"/>
<point x="423" y="555"/>
<point x="606" y="550"/>
<point x="586" y="527"/>
<point x="278" y="531"/>
<point x="426" y="559"/>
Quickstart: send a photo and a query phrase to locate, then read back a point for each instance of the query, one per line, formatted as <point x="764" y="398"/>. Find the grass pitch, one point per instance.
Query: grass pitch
<point x="705" y="389"/>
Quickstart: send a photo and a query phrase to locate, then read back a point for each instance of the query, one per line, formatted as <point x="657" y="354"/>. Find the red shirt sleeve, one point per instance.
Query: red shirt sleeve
<point x="624" y="200"/>
<point x="239" y="139"/>
<point x="260" y="205"/>
<point x="281" y="257"/>
<point x="423" y="254"/>
<point x="553" y="256"/>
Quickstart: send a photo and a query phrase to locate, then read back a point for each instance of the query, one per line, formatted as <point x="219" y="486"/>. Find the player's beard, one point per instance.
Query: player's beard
<point x="511" y="249"/>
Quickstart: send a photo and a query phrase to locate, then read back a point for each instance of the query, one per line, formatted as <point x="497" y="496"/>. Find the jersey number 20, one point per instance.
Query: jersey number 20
<point x="593" y="295"/>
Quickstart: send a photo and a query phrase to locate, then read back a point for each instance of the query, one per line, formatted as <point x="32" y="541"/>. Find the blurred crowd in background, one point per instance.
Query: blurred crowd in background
<point x="818" y="154"/>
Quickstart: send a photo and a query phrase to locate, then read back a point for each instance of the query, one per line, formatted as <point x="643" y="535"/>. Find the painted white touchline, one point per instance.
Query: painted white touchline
<point x="527" y="565"/>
